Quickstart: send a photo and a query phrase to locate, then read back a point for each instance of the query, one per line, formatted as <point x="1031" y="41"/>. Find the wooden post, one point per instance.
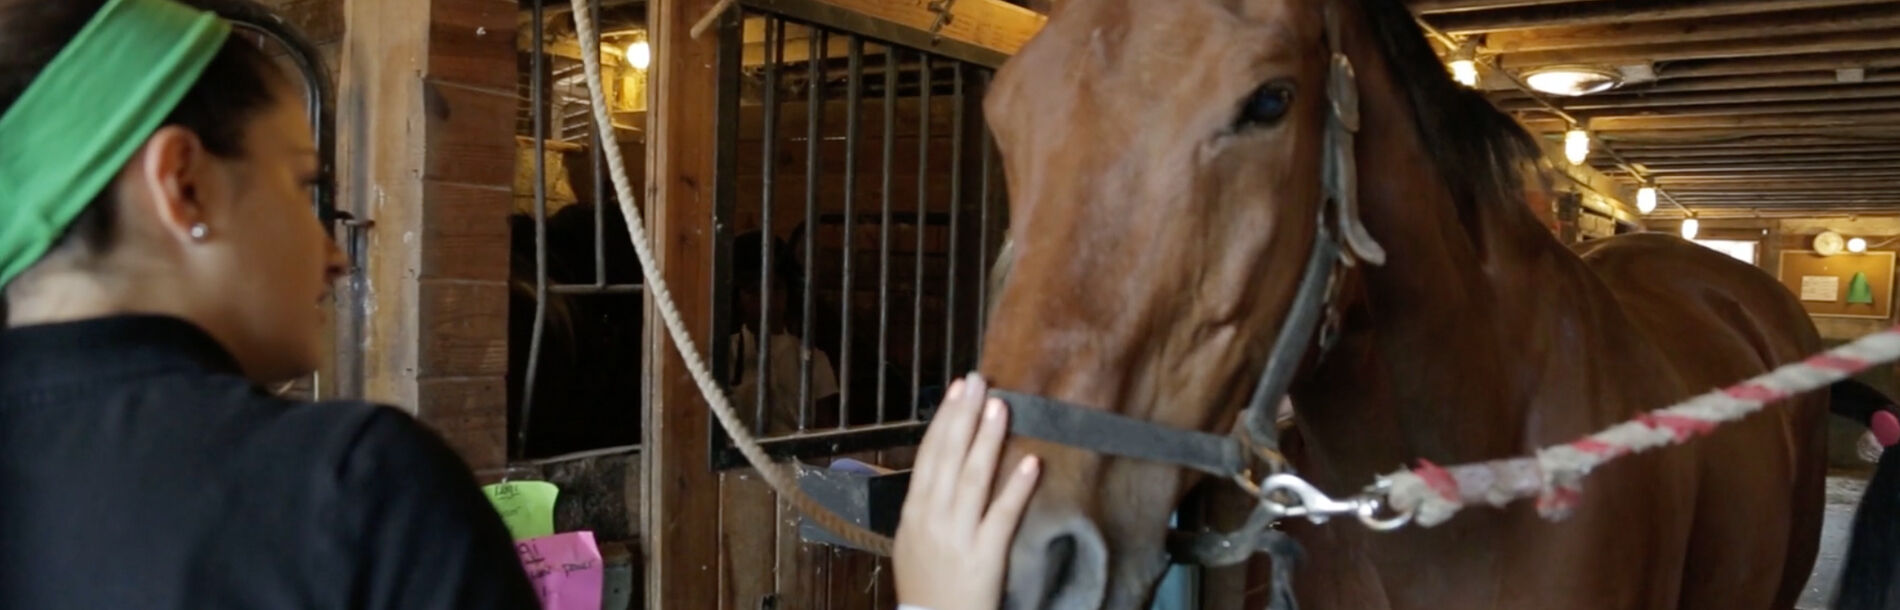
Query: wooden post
<point x="682" y="509"/>
<point x="426" y="109"/>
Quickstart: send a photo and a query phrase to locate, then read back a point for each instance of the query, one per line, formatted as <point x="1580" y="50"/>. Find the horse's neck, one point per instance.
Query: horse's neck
<point x="1473" y="329"/>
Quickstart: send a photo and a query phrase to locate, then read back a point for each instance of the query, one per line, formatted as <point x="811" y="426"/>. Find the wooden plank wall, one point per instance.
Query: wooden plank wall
<point x="427" y="150"/>
<point x="682" y="498"/>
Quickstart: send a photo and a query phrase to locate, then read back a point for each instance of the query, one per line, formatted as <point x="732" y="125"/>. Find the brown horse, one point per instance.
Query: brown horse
<point x="1165" y="165"/>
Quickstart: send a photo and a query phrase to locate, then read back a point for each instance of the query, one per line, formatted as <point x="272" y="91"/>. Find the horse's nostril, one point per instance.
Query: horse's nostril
<point x="1058" y="566"/>
<point x="1061" y="567"/>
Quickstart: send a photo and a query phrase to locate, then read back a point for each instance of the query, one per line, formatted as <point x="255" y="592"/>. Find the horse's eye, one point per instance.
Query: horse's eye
<point x="1265" y="106"/>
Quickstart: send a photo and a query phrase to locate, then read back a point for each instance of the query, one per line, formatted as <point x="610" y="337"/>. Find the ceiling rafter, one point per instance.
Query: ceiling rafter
<point x="1733" y="104"/>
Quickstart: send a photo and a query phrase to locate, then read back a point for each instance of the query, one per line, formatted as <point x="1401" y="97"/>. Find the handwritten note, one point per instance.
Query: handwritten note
<point x="1825" y="288"/>
<point x="565" y="568"/>
<point x="526" y="506"/>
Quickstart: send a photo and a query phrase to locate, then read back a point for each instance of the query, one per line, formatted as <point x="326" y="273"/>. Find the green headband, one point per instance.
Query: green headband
<point x="81" y="119"/>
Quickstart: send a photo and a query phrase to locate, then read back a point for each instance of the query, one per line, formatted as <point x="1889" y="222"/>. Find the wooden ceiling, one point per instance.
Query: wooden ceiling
<point x="1731" y="106"/>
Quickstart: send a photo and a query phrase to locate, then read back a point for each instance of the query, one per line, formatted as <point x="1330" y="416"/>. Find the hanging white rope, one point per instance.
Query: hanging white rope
<point x="778" y="476"/>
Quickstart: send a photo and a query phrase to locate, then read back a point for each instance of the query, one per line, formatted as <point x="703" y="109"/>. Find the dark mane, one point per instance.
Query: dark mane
<point x="1481" y="152"/>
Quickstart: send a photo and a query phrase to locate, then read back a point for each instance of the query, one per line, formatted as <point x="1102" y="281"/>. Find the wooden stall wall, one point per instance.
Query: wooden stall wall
<point x="423" y="155"/>
<point x="426" y="155"/>
<point x="723" y="539"/>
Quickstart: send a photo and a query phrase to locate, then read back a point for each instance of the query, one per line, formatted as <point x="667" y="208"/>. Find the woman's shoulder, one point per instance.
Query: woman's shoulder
<point x="361" y="444"/>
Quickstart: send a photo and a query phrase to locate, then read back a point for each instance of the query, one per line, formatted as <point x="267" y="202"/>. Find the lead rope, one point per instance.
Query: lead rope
<point x="776" y="475"/>
<point x="1555" y="474"/>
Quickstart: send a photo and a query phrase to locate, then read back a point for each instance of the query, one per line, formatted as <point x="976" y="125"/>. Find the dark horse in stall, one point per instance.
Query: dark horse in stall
<point x="1158" y="237"/>
<point x="588" y="378"/>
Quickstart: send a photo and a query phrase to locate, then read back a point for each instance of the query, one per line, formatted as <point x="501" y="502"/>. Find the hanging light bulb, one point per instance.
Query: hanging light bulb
<point x="640" y="54"/>
<point x="1464" y="64"/>
<point x="1857" y="245"/>
<point x="1690" y="227"/>
<point x="1577" y="146"/>
<point x="1465" y="71"/>
<point x="1646" y="199"/>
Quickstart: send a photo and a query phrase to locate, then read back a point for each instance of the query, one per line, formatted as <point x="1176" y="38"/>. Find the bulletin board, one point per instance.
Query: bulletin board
<point x="1825" y="284"/>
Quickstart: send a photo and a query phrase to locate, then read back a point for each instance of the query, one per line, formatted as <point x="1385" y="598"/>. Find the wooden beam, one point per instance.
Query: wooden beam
<point x="1823" y="175"/>
<point x="991" y="24"/>
<point x="1758" y="143"/>
<point x="1601" y="13"/>
<point x="798" y="51"/>
<point x="1886" y="39"/>
<point x="1773" y="187"/>
<point x="1764" y="83"/>
<point x="1787" y="197"/>
<point x="1886" y="122"/>
<point x="1720" y="136"/>
<point x="428" y="142"/>
<point x="556" y="7"/>
<point x="1793" y="208"/>
<point x="1843" y="158"/>
<point x="571" y="49"/>
<point x="682" y="509"/>
<point x="1814" y="62"/>
<point x="380" y="101"/>
<point x="1741" y="169"/>
<point x="1593" y="180"/>
<point x="1785" y="109"/>
<point x="1846" y="175"/>
<point x="1641" y="154"/>
<point x="1807" y="94"/>
<point x="1824" y="21"/>
<point x="1427" y="7"/>
<point x="1814" y="200"/>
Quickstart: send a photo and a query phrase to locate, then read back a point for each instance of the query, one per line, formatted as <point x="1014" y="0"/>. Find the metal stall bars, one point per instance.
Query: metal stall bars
<point x="869" y="288"/>
<point x="578" y="364"/>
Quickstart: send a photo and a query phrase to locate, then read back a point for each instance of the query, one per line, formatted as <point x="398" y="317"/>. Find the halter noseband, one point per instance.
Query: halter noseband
<point x="1340" y="241"/>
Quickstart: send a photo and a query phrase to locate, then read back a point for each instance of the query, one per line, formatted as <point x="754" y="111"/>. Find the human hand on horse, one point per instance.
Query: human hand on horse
<point x="953" y="542"/>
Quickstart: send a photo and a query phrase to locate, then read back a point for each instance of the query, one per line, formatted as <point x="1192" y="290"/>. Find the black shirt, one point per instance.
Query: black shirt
<point x="139" y="469"/>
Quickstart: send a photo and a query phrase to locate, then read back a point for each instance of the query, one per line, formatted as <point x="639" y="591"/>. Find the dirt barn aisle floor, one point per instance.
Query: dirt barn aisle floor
<point x="1843" y="493"/>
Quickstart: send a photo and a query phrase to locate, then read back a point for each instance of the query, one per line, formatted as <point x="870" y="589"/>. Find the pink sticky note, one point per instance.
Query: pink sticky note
<point x="565" y="568"/>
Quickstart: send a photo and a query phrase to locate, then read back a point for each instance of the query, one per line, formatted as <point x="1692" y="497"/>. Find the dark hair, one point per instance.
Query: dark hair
<point x="747" y="250"/>
<point x="1480" y="152"/>
<point x="235" y="87"/>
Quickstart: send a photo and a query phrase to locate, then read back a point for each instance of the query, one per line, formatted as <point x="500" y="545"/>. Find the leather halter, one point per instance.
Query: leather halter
<point x="1340" y="241"/>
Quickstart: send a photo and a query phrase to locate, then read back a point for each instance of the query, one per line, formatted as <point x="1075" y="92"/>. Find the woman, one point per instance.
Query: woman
<point x="160" y="264"/>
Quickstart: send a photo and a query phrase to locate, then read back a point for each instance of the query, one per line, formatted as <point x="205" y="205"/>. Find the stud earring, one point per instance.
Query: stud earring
<point x="199" y="231"/>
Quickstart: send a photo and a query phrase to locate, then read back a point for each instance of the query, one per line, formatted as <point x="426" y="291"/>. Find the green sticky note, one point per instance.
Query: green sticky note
<point x="526" y="506"/>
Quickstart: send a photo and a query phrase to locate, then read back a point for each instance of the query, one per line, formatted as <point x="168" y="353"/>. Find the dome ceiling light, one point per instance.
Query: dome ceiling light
<point x="1572" y="80"/>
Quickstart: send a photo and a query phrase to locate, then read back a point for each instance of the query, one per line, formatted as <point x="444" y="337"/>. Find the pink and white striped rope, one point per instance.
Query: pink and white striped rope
<point x="1555" y="475"/>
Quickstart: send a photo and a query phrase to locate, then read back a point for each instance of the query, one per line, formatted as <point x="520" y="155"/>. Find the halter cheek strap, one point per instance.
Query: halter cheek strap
<point x="88" y="111"/>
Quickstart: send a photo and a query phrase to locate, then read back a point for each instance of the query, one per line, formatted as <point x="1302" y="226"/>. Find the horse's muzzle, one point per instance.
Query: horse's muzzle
<point x="1057" y="563"/>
